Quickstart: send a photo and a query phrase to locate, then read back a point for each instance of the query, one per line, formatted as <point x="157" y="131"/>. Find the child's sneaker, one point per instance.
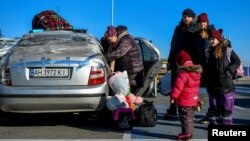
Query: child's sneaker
<point x="204" y="121"/>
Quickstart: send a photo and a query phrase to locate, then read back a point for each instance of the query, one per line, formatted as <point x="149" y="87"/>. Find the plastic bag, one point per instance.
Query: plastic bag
<point x="116" y="101"/>
<point x="119" y="83"/>
<point x="165" y="84"/>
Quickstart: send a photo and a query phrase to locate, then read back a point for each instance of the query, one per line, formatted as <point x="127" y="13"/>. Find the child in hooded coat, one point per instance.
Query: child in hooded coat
<point x="185" y="92"/>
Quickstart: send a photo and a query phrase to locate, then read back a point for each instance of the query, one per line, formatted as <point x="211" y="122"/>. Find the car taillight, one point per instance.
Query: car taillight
<point x="5" y="77"/>
<point x="97" y="76"/>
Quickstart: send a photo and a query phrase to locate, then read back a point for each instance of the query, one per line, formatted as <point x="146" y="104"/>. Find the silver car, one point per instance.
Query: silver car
<point x="62" y="71"/>
<point x="6" y="44"/>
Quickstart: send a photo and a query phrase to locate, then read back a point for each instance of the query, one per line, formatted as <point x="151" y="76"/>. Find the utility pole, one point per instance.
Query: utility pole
<point x="112" y="13"/>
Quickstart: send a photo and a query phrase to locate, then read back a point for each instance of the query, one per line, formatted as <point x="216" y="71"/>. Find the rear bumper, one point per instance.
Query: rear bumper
<point x="51" y="104"/>
<point x="51" y="100"/>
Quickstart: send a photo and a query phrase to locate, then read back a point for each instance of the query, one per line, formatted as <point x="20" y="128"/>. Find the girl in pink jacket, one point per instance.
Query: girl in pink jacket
<point x="185" y="92"/>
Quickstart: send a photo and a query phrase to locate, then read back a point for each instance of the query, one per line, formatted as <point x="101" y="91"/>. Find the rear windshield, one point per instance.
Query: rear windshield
<point x="53" y="40"/>
<point x="61" y="41"/>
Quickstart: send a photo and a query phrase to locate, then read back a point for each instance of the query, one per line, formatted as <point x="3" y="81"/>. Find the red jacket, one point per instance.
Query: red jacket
<point x="186" y="89"/>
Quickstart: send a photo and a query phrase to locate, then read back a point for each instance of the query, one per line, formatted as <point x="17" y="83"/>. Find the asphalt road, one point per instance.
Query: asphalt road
<point x="68" y="126"/>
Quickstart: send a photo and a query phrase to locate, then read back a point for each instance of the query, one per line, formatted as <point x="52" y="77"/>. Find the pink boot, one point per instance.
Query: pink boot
<point x="185" y="137"/>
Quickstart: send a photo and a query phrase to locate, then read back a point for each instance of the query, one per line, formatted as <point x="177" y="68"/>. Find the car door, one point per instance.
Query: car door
<point x="152" y="63"/>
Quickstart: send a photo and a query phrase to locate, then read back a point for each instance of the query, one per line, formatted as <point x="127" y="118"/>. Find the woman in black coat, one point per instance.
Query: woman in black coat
<point x="184" y="38"/>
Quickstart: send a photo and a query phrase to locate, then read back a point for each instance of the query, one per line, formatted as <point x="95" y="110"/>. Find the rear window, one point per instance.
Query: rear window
<point x="54" y="41"/>
<point x="68" y="40"/>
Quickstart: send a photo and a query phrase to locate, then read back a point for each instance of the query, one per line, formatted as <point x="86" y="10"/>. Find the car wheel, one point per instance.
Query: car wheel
<point x="152" y="89"/>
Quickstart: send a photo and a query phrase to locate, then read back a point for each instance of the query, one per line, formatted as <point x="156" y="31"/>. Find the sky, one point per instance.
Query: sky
<point x="154" y="20"/>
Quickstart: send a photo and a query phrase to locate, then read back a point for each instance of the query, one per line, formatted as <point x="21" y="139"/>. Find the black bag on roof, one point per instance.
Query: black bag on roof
<point x="50" y="20"/>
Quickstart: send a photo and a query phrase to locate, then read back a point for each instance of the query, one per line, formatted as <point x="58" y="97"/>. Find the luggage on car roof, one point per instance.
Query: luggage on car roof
<point x="50" y="20"/>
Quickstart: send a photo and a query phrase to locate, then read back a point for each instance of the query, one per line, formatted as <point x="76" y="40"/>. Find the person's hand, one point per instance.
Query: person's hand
<point x="111" y="70"/>
<point x="112" y="66"/>
<point x="228" y="73"/>
<point x="172" y="101"/>
<point x="199" y="105"/>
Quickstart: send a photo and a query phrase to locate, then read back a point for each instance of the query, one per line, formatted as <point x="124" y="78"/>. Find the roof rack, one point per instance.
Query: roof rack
<point x="36" y="30"/>
<point x="80" y="30"/>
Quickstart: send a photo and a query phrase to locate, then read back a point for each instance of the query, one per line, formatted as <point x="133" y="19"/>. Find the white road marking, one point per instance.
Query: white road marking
<point x="240" y="108"/>
<point x="127" y="135"/>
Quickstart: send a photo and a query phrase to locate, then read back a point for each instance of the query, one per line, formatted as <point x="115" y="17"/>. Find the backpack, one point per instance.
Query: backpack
<point x="239" y="72"/>
<point x="50" y="20"/>
<point x="146" y="114"/>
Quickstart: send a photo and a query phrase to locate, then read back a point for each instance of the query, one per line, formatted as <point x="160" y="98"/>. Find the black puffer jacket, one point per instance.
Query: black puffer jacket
<point x="184" y="38"/>
<point x="127" y="56"/>
<point x="220" y="72"/>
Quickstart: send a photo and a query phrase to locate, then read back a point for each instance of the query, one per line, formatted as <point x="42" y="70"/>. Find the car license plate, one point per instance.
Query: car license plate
<point x="49" y="72"/>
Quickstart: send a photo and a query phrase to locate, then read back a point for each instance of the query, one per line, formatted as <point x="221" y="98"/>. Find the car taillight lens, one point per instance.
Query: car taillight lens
<point x="97" y="76"/>
<point x="5" y="77"/>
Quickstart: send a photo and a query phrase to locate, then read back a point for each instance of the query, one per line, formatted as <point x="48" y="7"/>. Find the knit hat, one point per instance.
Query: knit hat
<point x="182" y="57"/>
<point x="120" y="29"/>
<point x="203" y="18"/>
<point x="188" y="12"/>
<point x="111" y="31"/>
<point x="217" y="34"/>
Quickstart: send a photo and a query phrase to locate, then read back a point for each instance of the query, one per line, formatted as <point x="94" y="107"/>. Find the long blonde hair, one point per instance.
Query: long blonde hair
<point x="218" y="49"/>
<point x="204" y="34"/>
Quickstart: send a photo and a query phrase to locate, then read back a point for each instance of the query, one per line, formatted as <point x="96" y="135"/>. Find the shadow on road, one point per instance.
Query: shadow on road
<point x="85" y="121"/>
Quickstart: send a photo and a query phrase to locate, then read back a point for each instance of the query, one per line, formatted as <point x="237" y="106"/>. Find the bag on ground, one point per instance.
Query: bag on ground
<point x="165" y="84"/>
<point x="124" y="118"/>
<point x="146" y="114"/>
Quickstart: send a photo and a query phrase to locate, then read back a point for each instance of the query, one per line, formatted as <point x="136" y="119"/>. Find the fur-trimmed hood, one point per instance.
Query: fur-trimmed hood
<point x="192" y="68"/>
<point x="188" y="66"/>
